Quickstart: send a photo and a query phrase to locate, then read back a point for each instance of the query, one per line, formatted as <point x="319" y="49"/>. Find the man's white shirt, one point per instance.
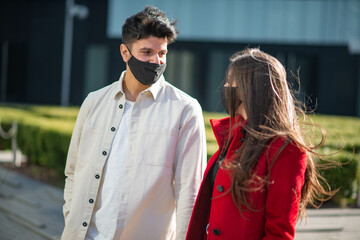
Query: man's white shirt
<point x="110" y="208"/>
<point x="160" y="173"/>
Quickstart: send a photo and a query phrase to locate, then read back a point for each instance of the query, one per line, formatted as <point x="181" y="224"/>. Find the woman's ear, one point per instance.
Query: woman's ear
<point x="125" y="54"/>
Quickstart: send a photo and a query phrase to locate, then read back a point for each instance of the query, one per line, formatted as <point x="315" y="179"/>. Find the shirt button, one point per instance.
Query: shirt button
<point x="216" y="232"/>
<point x="121" y="106"/>
<point x="104" y="153"/>
<point x="97" y="176"/>
<point x="91" y="200"/>
<point x="84" y="224"/>
<point x="220" y="188"/>
<point x="113" y="129"/>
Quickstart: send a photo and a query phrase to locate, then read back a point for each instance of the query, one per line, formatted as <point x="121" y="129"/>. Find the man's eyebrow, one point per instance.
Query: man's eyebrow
<point x="145" y="48"/>
<point x="150" y="49"/>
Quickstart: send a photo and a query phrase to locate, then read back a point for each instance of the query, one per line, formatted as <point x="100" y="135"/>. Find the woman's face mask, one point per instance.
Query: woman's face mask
<point x="146" y="73"/>
<point x="228" y="97"/>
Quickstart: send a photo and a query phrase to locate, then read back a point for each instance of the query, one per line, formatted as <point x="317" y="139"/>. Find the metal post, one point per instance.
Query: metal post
<point x="12" y="134"/>
<point x="17" y="159"/>
<point x="71" y="10"/>
<point x="358" y="94"/>
<point x="358" y="196"/>
<point x="66" y="66"/>
<point x="4" y="61"/>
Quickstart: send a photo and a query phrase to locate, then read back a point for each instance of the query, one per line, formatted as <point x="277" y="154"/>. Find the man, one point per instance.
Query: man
<point x="138" y="149"/>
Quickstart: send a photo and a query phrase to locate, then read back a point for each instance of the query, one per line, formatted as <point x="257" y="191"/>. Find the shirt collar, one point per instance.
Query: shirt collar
<point x="119" y="89"/>
<point x="154" y="89"/>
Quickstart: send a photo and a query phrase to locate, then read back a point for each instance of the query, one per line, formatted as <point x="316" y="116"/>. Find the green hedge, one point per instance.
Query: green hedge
<point x="344" y="177"/>
<point x="44" y="134"/>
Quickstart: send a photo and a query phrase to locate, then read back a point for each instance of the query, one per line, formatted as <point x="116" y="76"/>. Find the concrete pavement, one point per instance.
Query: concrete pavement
<point x="330" y="224"/>
<point x="29" y="210"/>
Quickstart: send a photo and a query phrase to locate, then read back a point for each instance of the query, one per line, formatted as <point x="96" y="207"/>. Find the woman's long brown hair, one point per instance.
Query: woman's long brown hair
<point x="272" y="112"/>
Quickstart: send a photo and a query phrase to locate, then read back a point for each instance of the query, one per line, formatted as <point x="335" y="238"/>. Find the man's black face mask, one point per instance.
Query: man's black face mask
<point x="146" y="73"/>
<point x="228" y="96"/>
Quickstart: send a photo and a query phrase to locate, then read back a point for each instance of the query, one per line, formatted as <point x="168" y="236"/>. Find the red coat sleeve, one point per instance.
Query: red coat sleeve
<point x="286" y="180"/>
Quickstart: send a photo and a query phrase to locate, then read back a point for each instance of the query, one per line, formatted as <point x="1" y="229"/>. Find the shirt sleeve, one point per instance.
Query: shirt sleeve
<point x="190" y="163"/>
<point x="72" y="157"/>
<point x="286" y="180"/>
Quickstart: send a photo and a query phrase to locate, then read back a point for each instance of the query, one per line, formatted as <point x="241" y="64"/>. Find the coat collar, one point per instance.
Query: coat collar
<point x="221" y="128"/>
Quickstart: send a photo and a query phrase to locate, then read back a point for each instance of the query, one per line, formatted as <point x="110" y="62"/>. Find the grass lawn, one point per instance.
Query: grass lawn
<point x="341" y="132"/>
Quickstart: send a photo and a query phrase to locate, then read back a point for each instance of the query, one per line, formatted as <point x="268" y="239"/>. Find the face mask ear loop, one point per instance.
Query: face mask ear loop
<point x="129" y="50"/>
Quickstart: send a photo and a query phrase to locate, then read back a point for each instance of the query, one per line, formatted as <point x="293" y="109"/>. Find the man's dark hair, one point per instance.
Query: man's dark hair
<point x="149" y="22"/>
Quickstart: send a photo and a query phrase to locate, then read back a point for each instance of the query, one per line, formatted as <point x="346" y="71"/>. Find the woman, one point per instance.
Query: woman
<point x="263" y="175"/>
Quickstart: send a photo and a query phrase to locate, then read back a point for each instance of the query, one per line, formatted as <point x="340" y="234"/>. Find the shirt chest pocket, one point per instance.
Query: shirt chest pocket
<point x="159" y="146"/>
<point x="88" y="142"/>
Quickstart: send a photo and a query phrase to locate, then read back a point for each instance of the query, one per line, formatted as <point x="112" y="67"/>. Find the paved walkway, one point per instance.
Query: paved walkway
<point x="31" y="210"/>
<point x="330" y="224"/>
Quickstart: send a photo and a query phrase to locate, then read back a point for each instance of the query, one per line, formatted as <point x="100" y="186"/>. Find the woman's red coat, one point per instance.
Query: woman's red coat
<point x="277" y="203"/>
